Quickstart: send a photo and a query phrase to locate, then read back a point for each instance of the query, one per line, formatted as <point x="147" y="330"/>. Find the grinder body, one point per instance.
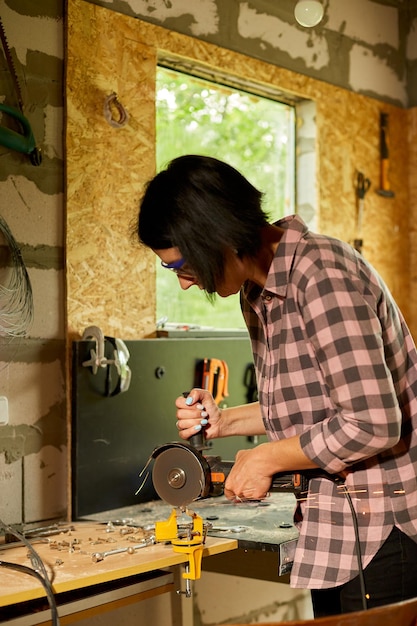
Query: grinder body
<point x="182" y="474"/>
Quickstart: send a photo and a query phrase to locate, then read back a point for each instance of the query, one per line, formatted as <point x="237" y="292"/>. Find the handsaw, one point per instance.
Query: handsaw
<point x="24" y="140"/>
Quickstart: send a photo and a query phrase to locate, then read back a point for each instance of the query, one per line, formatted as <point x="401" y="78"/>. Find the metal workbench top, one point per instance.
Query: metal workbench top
<point x="267" y="526"/>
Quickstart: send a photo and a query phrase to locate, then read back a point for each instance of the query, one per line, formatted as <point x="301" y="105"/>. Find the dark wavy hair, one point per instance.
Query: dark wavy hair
<point x="203" y="207"/>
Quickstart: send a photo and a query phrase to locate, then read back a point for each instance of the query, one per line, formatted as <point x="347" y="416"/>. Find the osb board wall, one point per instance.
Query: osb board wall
<point x="110" y="281"/>
<point x="412" y="188"/>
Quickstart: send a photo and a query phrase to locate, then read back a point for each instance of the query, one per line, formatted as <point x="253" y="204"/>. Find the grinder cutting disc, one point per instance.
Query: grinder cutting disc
<point x="179" y="475"/>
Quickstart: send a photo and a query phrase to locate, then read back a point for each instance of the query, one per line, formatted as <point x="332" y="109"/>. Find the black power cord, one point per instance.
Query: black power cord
<point x="340" y="483"/>
<point x="38" y="571"/>
<point x="357" y="546"/>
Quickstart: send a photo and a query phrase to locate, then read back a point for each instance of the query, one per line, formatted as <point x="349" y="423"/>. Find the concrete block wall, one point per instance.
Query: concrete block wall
<point x="366" y="46"/>
<point x="33" y="445"/>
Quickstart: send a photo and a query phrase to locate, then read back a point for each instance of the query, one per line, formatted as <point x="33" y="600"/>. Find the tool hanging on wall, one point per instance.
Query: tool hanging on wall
<point x="22" y="141"/>
<point x="213" y="375"/>
<point x="252" y="395"/>
<point x="385" y="187"/>
<point x="99" y="360"/>
<point x="250" y="383"/>
<point x="362" y="187"/>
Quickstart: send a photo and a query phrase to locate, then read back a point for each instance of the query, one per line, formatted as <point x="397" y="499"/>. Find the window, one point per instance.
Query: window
<point x="251" y="132"/>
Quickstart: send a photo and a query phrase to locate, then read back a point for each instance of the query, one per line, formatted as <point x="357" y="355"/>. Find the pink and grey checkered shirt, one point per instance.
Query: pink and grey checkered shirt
<point x="336" y="365"/>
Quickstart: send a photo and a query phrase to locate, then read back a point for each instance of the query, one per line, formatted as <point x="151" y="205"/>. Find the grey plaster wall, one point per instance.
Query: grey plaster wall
<point x="367" y="46"/>
<point x="33" y="468"/>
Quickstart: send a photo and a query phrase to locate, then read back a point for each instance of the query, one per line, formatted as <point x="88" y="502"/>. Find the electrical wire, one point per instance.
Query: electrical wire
<point x="340" y="483"/>
<point x="32" y="572"/>
<point x="38" y="570"/>
<point x="16" y="298"/>
<point x="357" y="546"/>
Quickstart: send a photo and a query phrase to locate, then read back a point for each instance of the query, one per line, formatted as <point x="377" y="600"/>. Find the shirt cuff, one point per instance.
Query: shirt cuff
<point x="313" y="444"/>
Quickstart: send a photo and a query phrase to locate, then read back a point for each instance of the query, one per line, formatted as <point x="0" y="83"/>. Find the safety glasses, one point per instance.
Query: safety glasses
<point x="180" y="268"/>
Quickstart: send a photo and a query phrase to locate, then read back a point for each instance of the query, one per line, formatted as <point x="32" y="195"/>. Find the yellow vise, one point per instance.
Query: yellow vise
<point x="191" y="542"/>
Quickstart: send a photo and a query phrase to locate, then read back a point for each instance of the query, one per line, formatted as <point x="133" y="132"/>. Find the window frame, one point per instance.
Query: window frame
<point x="305" y="192"/>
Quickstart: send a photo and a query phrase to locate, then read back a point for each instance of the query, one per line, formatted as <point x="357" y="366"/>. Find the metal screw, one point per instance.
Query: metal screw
<point x="188" y="591"/>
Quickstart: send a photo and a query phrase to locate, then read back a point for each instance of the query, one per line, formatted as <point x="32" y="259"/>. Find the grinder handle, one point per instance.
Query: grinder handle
<point x="198" y="440"/>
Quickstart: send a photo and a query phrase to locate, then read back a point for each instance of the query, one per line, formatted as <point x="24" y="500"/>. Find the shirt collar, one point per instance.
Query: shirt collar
<point x="279" y="272"/>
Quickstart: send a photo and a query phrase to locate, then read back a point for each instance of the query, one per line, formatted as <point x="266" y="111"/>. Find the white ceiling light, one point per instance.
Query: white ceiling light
<point x="308" y="12"/>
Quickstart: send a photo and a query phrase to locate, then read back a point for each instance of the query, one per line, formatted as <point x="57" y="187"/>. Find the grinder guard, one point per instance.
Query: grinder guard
<point x="180" y="474"/>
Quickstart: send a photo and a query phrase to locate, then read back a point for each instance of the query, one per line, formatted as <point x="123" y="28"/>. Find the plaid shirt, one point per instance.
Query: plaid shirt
<point x="336" y="365"/>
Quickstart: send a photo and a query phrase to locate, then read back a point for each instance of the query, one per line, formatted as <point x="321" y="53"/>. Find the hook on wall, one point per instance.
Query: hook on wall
<point x="112" y="105"/>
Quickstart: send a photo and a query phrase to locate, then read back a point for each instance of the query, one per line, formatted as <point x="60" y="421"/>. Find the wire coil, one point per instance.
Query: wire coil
<point x="16" y="297"/>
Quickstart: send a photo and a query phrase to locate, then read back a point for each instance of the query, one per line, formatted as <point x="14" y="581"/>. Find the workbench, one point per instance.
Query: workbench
<point x="265" y="529"/>
<point x="83" y="587"/>
<point x="254" y="539"/>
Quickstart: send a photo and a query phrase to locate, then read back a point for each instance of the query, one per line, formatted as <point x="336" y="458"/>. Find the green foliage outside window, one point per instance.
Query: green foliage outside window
<point x="251" y="133"/>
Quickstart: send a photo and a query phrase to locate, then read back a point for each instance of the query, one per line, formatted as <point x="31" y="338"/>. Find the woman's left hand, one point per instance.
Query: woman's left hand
<point x="251" y="475"/>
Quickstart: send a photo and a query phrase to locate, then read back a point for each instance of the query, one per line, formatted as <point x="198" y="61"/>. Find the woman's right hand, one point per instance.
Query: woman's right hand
<point x="198" y="410"/>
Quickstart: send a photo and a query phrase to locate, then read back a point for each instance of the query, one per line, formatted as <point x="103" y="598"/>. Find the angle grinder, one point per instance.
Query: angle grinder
<point x="182" y="474"/>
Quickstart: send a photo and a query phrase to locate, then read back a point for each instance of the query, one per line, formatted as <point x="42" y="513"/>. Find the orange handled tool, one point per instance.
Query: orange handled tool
<point x="215" y="378"/>
<point x="385" y="188"/>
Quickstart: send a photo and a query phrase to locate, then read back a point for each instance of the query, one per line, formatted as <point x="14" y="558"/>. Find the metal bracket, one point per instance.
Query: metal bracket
<point x="98" y="359"/>
<point x="286" y="556"/>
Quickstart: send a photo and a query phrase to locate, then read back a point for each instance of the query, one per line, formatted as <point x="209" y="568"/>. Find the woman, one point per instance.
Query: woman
<point x="336" y="371"/>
